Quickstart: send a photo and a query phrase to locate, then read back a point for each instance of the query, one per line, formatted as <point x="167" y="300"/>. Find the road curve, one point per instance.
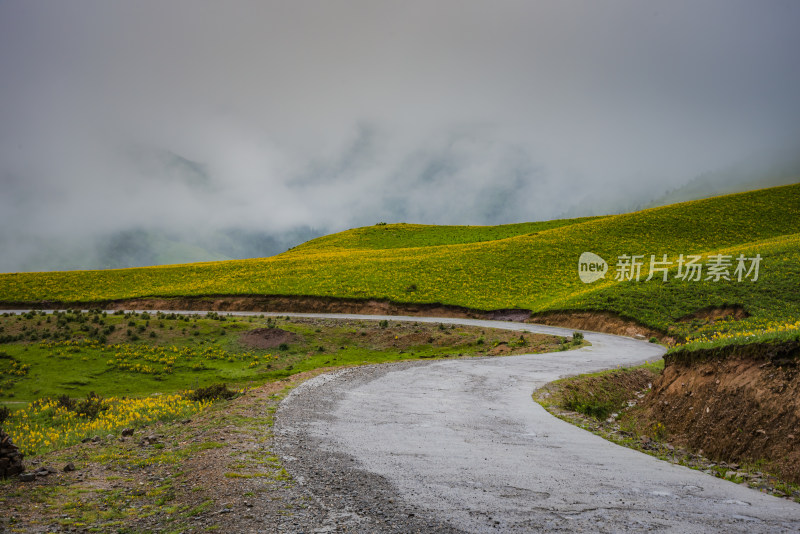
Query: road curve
<point x="462" y="443"/>
<point x="459" y="446"/>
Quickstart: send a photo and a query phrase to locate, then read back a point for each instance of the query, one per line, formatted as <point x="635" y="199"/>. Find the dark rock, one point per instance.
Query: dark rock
<point x="148" y="440"/>
<point x="10" y="457"/>
<point x="127" y="431"/>
<point x="27" y="477"/>
<point x="42" y="472"/>
<point x="69" y="467"/>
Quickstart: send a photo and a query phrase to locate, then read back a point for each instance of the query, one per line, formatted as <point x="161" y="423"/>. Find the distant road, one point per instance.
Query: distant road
<point x="462" y="442"/>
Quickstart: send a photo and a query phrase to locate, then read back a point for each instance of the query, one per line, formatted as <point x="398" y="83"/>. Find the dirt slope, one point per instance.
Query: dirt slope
<point x="739" y="403"/>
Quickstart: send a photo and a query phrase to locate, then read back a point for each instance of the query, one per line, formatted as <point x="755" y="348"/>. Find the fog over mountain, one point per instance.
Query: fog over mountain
<point x="139" y="133"/>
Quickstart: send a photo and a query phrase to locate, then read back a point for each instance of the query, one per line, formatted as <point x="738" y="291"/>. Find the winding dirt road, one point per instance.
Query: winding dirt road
<point x="459" y="445"/>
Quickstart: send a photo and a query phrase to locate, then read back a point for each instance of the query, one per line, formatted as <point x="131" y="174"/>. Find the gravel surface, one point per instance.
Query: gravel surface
<point x="459" y="446"/>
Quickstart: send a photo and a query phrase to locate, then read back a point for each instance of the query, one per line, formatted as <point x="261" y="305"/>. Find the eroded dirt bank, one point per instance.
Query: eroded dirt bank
<point x="596" y="321"/>
<point x="600" y="321"/>
<point x="739" y="403"/>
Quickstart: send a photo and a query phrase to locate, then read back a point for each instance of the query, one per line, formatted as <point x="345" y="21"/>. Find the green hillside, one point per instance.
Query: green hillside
<point x="530" y="266"/>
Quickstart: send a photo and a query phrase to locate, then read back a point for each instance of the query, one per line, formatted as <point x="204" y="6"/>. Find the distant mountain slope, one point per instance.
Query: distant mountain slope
<point x="386" y="236"/>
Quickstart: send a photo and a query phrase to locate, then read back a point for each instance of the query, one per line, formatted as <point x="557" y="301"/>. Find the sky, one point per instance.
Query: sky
<point x="201" y="119"/>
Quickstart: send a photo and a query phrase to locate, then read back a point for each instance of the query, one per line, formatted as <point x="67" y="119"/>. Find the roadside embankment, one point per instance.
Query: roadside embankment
<point x="595" y="321"/>
<point x="738" y="403"/>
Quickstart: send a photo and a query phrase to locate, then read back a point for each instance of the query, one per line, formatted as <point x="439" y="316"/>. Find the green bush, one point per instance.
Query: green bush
<point x="211" y="393"/>
<point x="91" y="407"/>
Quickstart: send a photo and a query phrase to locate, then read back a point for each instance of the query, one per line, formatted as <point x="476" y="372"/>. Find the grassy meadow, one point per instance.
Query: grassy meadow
<point x="113" y="360"/>
<point x="530" y="266"/>
<point x="69" y="375"/>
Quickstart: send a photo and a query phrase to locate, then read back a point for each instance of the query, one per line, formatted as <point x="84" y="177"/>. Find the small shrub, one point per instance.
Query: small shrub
<point x="283" y="346"/>
<point x="212" y="392"/>
<point x="654" y="339"/>
<point x="5" y="413"/>
<point x="66" y="402"/>
<point x="659" y="432"/>
<point x="91" y="407"/>
<point x="384" y="324"/>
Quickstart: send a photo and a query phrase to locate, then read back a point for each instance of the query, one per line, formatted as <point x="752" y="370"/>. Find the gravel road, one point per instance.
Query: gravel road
<point x="459" y="446"/>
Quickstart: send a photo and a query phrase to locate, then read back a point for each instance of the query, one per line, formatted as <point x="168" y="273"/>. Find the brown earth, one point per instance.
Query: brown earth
<point x="627" y="423"/>
<point x="267" y="338"/>
<point x="714" y="314"/>
<point x="735" y="403"/>
<point x="600" y="321"/>
<point x="590" y="320"/>
<point x="278" y="303"/>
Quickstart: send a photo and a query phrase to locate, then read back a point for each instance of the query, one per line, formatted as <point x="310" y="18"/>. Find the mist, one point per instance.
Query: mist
<point x="145" y="132"/>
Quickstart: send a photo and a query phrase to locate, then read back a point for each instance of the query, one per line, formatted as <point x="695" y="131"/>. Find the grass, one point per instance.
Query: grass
<point x="125" y="486"/>
<point x="530" y="266"/>
<point x="68" y="353"/>
<point x="777" y="332"/>
<point x="73" y="375"/>
<point x="600" y="394"/>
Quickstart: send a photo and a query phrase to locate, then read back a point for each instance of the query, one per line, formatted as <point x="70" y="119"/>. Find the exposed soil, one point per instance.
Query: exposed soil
<point x="735" y="403"/>
<point x="267" y="338"/>
<point x="585" y="320"/>
<point x="658" y="422"/>
<point x="714" y="314"/>
<point x="600" y="321"/>
<point x="280" y="303"/>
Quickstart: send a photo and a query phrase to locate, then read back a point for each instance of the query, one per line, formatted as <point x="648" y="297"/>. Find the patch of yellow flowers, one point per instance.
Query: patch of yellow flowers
<point x="46" y="425"/>
<point x="771" y="329"/>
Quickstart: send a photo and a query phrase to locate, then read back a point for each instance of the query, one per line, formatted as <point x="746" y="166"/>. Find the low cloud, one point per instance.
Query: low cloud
<point x="235" y="130"/>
